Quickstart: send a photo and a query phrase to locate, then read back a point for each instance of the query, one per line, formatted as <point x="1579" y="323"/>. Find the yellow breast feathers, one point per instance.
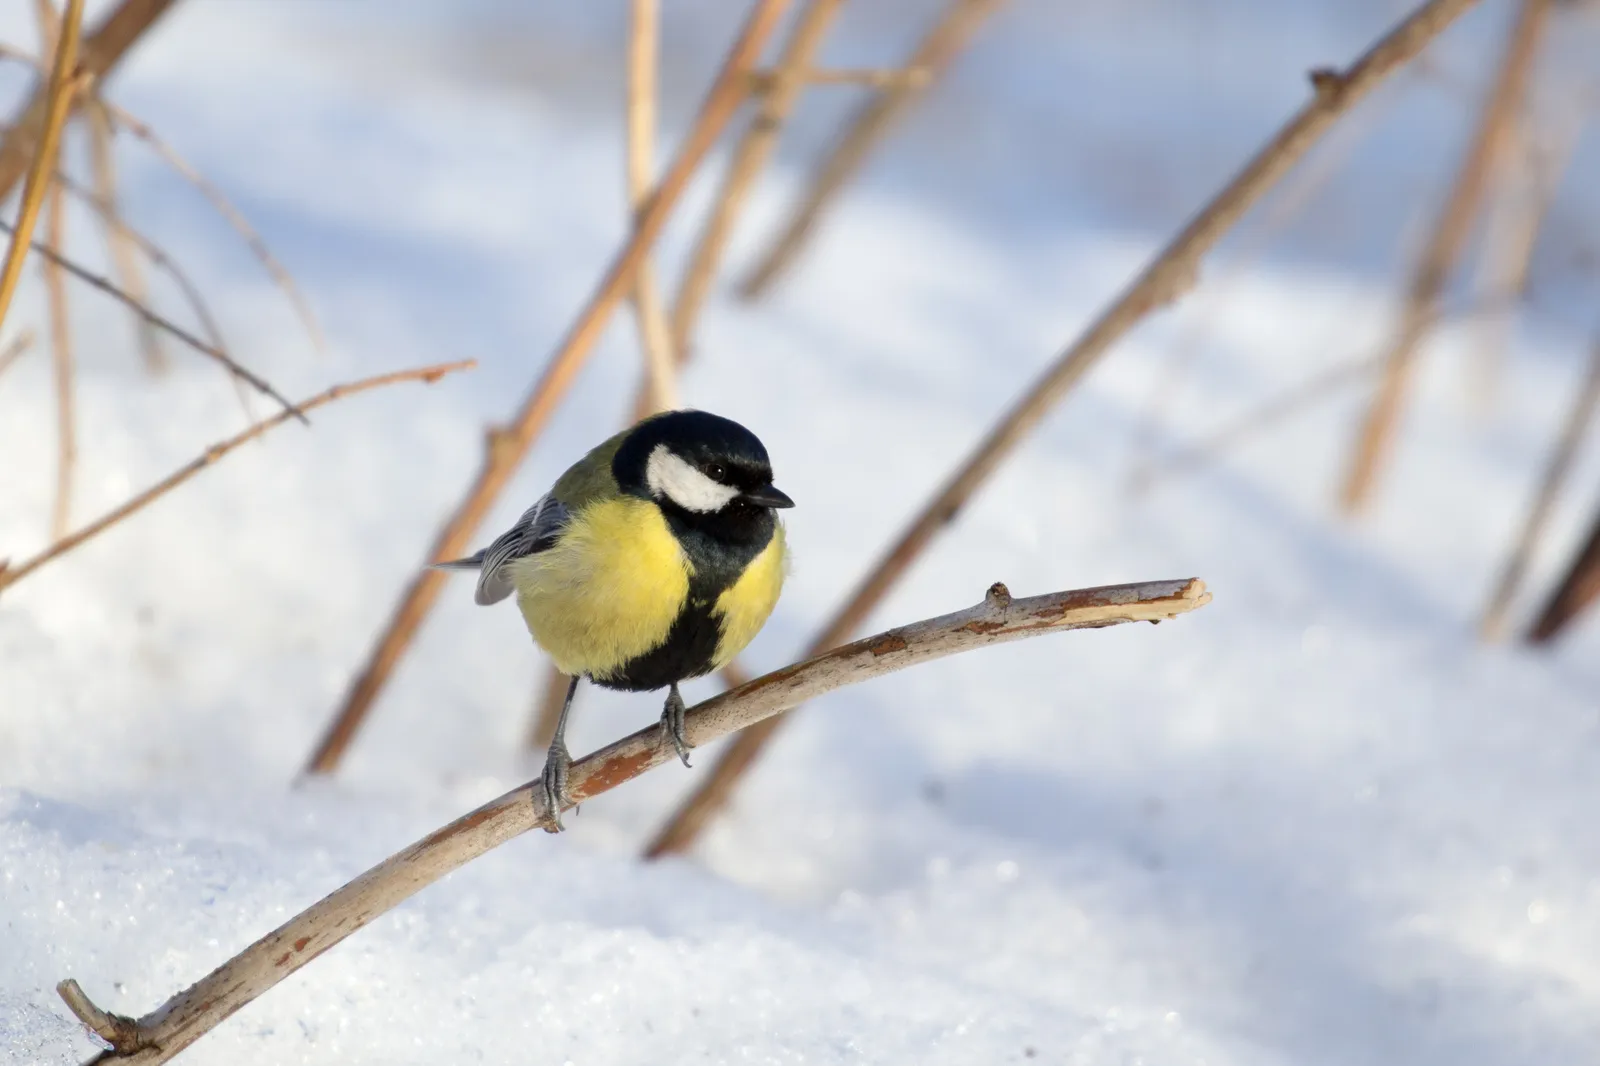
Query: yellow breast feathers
<point x="608" y="590"/>
<point x="746" y="604"/>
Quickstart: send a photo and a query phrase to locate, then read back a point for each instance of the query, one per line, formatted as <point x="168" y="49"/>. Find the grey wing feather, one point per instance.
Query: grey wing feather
<point x="534" y="532"/>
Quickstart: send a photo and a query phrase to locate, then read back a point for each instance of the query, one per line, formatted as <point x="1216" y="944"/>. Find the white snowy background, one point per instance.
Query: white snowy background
<point x="1314" y="823"/>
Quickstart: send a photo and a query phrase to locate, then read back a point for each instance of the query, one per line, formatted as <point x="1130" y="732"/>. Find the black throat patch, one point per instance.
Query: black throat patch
<point x="719" y="546"/>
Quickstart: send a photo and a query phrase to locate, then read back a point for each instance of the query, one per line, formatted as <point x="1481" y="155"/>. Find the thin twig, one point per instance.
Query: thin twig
<point x="1262" y="417"/>
<point x="158" y="257"/>
<point x="161" y="321"/>
<point x="103" y="165"/>
<point x="872" y="121"/>
<point x="57" y="100"/>
<point x="428" y="375"/>
<point x="102" y="50"/>
<point x="506" y="446"/>
<point x="655" y="334"/>
<point x="120" y="118"/>
<point x="1573" y="431"/>
<point x="781" y="89"/>
<point x="187" y="1016"/>
<point x="13" y="351"/>
<point x="1163" y="280"/>
<point x="61" y="361"/>
<point x="1478" y="170"/>
<point x="230" y="214"/>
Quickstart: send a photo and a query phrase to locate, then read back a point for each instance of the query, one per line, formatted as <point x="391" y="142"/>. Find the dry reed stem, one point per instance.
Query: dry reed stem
<point x="1299" y="190"/>
<point x="1264" y="416"/>
<point x="1510" y="237"/>
<point x="1444" y="247"/>
<point x="655" y="333"/>
<point x="102" y="50"/>
<point x="872" y="121"/>
<point x="506" y="446"/>
<point x="1279" y="408"/>
<point x="61" y="363"/>
<point x="187" y="1016"/>
<point x="764" y="81"/>
<point x="124" y="258"/>
<point x="14" y="351"/>
<point x="161" y="321"/>
<point x="1163" y="280"/>
<point x="10" y="575"/>
<point x="1556" y="470"/>
<point x="1578" y="589"/>
<point x="780" y="90"/>
<point x="58" y="99"/>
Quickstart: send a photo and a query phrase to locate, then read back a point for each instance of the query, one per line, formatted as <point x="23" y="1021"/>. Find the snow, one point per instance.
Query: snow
<point x="1315" y="822"/>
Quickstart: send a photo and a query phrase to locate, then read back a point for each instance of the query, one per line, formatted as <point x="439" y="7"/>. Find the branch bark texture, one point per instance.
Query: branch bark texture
<point x="1170" y="274"/>
<point x="187" y="1016"/>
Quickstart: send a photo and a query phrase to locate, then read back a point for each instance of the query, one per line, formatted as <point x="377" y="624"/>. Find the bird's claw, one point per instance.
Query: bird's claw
<point x="672" y="725"/>
<point x="554" y="779"/>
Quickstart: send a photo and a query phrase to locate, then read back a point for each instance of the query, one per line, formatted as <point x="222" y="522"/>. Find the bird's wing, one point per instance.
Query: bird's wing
<point x="534" y="532"/>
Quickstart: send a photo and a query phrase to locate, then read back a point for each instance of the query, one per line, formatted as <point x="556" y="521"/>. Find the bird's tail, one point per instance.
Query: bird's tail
<point x="471" y="562"/>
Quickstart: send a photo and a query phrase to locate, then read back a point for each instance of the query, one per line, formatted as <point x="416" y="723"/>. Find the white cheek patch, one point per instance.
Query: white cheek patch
<point x="668" y="475"/>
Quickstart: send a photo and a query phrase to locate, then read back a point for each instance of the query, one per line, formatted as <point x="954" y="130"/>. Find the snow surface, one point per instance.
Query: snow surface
<point x="1314" y="823"/>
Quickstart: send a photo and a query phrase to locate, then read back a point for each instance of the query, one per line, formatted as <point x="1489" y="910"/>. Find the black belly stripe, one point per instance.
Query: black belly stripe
<point x="691" y="645"/>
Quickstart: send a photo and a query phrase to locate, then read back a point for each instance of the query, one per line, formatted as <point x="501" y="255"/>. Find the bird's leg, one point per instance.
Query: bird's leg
<point x="672" y="723"/>
<point x="557" y="763"/>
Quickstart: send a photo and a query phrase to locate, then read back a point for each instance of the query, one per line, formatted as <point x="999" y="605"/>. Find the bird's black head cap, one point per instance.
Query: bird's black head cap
<point x="704" y="470"/>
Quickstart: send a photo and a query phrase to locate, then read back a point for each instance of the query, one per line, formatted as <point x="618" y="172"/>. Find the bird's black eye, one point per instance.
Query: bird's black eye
<point x="716" y="471"/>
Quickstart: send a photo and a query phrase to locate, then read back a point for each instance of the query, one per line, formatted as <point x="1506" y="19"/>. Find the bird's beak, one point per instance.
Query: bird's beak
<point x="767" y="496"/>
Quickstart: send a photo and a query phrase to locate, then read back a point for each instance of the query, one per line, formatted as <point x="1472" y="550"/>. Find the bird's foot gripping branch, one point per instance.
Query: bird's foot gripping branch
<point x="190" y="1014"/>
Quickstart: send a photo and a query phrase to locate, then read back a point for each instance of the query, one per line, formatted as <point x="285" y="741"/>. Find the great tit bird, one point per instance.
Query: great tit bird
<point x="655" y="558"/>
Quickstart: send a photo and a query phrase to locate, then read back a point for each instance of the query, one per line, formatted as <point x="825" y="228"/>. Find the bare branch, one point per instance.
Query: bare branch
<point x="187" y="1016"/>
<point x="58" y="99"/>
<point x="1478" y="169"/>
<point x="1492" y="627"/>
<point x="507" y="446"/>
<point x="875" y="118"/>
<point x="781" y="90"/>
<point x="1166" y="277"/>
<point x="428" y="374"/>
<point x="161" y="321"/>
